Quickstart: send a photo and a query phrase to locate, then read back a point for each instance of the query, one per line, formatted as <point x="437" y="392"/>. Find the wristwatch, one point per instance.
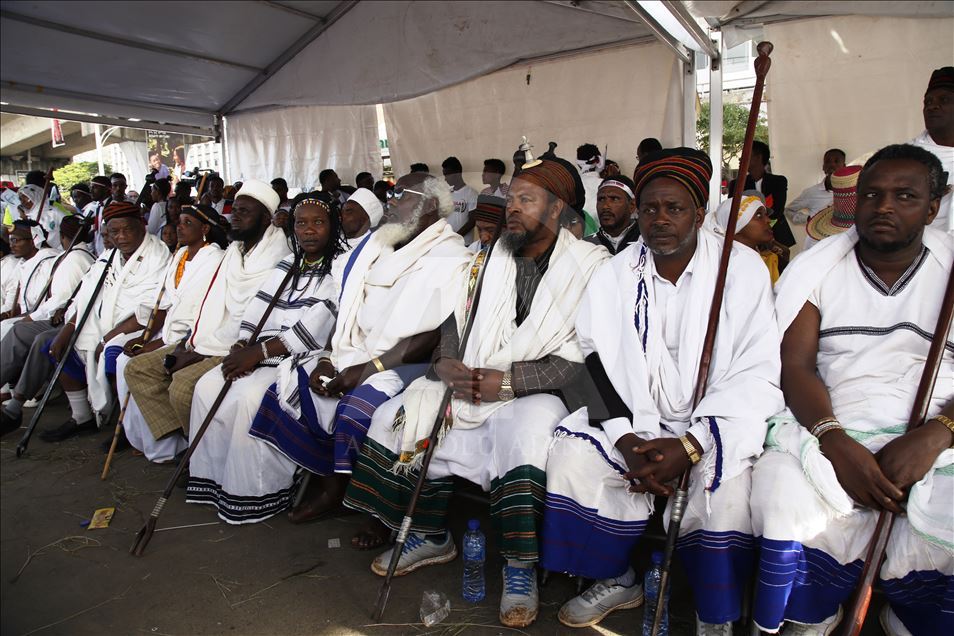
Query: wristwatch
<point x="505" y="393"/>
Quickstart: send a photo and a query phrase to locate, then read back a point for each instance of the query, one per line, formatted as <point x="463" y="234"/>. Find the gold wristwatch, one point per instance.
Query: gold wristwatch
<point x="691" y="451"/>
<point x="505" y="393"/>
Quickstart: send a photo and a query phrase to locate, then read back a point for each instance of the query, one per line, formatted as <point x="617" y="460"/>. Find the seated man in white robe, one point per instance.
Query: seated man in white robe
<point x="163" y="381"/>
<point x="641" y="326"/>
<point x="248" y="481"/>
<point x="50" y="287"/>
<point x="396" y="288"/>
<point x="858" y="313"/>
<point x="27" y="242"/>
<point x="202" y="238"/>
<point x="133" y="273"/>
<point x="520" y="355"/>
<point x="360" y="214"/>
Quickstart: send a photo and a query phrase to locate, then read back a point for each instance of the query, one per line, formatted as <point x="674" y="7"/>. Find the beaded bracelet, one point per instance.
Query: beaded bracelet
<point x="827" y="427"/>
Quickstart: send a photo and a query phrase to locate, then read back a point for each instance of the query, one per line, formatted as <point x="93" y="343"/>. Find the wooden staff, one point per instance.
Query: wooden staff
<point x="762" y="64"/>
<point x="146" y="335"/>
<point x="47" y="187"/>
<point x="432" y="438"/>
<point x="24" y="442"/>
<point x="922" y="402"/>
<point x="145" y="533"/>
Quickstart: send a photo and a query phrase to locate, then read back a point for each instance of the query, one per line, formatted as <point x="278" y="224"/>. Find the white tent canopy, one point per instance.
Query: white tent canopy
<point x="289" y="70"/>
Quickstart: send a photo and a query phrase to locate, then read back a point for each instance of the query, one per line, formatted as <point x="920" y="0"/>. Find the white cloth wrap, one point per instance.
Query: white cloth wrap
<point x="496" y="341"/>
<point x="181" y="302"/>
<point x="67" y="270"/>
<point x="795" y="286"/>
<point x="126" y="286"/>
<point x="945" y="216"/>
<point x="237" y="280"/>
<point x="389" y="296"/>
<point x="744" y="375"/>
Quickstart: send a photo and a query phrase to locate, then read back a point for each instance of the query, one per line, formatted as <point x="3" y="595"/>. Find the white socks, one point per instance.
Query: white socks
<point x="513" y="563"/>
<point x="80" y="406"/>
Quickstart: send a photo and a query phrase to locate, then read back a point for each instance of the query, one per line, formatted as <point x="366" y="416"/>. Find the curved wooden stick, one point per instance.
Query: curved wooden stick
<point x="47" y="187"/>
<point x="855" y="618"/>
<point x="762" y="64"/>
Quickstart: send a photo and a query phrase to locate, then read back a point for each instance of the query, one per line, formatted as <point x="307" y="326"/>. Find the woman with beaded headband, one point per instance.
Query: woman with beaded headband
<point x="248" y="481"/>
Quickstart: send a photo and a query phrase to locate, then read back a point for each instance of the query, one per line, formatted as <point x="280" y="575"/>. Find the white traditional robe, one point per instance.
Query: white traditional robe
<point x="944" y="220"/>
<point x="128" y="284"/>
<point x="873" y="342"/>
<point x="31" y="276"/>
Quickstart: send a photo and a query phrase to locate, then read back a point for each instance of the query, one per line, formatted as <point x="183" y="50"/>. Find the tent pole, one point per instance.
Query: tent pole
<point x="716" y="125"/>
<point x="689" y="102"/>
<point x="223" y="139"/>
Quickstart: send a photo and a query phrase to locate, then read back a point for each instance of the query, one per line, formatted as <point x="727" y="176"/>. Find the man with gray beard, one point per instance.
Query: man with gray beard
<point x="520" y="355"/>
<point x="397" y="286"/>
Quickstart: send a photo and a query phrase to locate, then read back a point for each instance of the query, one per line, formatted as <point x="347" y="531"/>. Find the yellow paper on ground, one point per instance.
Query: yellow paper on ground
<point x="101" y="518"/>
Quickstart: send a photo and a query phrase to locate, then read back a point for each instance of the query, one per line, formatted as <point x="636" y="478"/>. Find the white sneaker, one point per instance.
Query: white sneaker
<point x="824" y="628"/>
<point x="520" y="601"/>
<point x="417" y="553"/>
<point x="598" y="601"/>
<point x="712" y="629"/>
<point x="891" y="624"/>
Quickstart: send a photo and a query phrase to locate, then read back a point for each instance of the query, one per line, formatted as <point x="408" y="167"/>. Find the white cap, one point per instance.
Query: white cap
<point x="367" y="200"/>
<point x="261" y="192"/>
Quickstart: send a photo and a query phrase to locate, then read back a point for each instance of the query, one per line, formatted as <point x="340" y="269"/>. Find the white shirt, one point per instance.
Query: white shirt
<point x="500" y="191"/>
<point x="945" y="216"/>
<point x="465" y="200"/>
<point x="157" y="218"/>
<point x="810" y="202"/>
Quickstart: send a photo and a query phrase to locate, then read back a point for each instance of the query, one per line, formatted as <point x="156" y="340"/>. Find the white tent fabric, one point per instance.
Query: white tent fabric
<point x="855" y="83"/>
<point x="613" y="98"/>
<point x="299" y="142"/>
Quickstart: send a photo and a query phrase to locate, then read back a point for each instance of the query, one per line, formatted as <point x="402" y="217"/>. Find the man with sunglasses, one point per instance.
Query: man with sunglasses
<point x="397" y="286"/>
<point x="519" y="357"/>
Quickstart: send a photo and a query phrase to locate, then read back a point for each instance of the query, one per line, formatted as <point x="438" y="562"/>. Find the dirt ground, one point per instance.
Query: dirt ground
<point x="200" y="575"/>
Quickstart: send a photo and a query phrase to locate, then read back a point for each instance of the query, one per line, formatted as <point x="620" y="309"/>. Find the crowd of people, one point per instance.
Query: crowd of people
<point x="339" y="319"/>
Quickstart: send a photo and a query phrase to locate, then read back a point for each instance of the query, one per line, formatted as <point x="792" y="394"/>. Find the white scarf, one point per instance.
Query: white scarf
<point x="496" y="341"/>
<point x="620" y="321"/>
<point x="181" y="302"/>
<point x="126" y="287"/>
<point x="421" y="283"/>
<point x="32" y="276"/>
<point x="945" y="215"/>
<point x="238" y="278"/>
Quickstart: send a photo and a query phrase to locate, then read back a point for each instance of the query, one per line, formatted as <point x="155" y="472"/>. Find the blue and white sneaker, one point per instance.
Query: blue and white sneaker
<point x="520" y="601"/>
<point x="419" y="551"/>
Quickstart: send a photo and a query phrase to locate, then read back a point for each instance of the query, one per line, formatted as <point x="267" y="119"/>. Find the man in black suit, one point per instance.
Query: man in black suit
<point x="773" y="186"/>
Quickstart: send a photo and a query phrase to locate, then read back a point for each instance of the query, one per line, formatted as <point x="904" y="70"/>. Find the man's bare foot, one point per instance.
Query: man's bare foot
<point x="323" y="497"/>
<point x="373" y="535"/>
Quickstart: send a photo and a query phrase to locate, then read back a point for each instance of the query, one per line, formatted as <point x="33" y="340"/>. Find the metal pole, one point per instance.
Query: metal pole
<point x="716" y="126"/>
<point x="689" y="102"/>
<point x="98" y="131"/>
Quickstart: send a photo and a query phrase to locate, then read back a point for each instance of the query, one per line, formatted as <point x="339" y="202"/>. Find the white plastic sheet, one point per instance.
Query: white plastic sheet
<point x="613" y="98"/>
<point x="855" y="83"/>
<point x="298" y="143"/>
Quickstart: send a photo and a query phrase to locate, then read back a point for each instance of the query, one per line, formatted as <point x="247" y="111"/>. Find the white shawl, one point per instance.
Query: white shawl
<point x="31" y="276"/>
<point x="620" y="321"/>
<point x="126" y="286"/>
<point x="68" y="270"/>
<point x="181" y="302"/>
<point x="945" y="216"/>
<point x="238" y="278"/>
<point x="416" y="287"/>
<point x="496" y="341"/>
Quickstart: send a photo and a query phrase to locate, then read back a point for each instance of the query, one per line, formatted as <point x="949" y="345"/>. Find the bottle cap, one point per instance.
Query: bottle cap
<point x="473" y="524"/>
<point x="657" y="558"/>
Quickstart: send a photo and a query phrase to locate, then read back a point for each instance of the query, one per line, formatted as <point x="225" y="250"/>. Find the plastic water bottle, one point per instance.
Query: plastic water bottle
<point x="475" y="546"/>
<point x="651" y="594"/>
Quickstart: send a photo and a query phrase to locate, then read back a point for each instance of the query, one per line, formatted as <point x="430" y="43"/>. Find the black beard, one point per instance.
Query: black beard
<point x="893" y="246"/>
<point x="513" y="242"/>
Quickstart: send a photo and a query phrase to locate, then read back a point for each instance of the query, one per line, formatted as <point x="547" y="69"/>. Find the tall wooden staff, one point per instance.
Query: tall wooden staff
<point x="680" y="498"/>
<point x="922" y="401"/>
<point x="146" y="335"/>
<point x="145" y="533"/>
<point x="47" y="187"/>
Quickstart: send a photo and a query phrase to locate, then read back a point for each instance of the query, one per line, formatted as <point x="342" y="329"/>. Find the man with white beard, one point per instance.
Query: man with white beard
<point x="397" y="286"/>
